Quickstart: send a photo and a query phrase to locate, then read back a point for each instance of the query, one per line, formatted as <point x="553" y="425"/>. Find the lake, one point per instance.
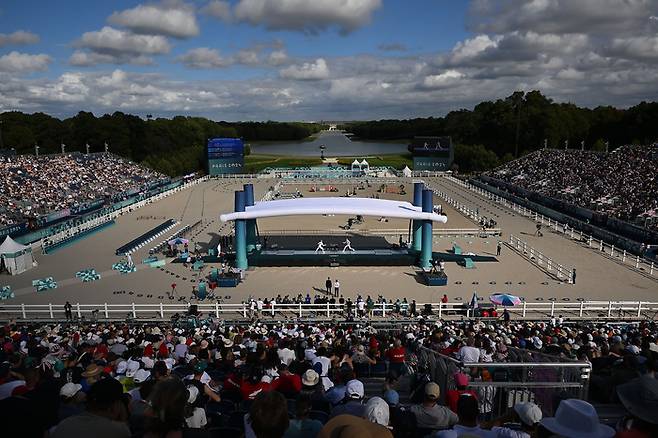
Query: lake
<point x="336" y="144"/>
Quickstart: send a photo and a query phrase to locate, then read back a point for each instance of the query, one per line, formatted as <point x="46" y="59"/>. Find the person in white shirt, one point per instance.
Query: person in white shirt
<point x="468" y="353"/>
<point x="286" y="355"/>
<point x="195" y="417"/>
<point x="525" y="418"/>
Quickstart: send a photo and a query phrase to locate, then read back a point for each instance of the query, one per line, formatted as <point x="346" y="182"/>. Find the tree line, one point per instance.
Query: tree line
<point x="173" y="146"/>
<point x="498" y="131"/>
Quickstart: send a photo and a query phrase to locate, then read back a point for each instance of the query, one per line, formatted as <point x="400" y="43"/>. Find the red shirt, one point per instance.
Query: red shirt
<point x="452" y="396"/>
<point x="288" y="383"/>
<point x="249" y="390"/>
<point x="396" y="355"/>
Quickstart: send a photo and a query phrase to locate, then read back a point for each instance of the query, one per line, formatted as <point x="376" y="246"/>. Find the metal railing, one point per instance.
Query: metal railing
<point x="582" y="310"/>
<point x="543" y="262"/>
<point x="526" y="376"/>
<point x="634" y="262"/>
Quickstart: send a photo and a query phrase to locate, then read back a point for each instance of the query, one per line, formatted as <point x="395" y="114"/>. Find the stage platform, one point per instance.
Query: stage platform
<point x="363" y="257"/>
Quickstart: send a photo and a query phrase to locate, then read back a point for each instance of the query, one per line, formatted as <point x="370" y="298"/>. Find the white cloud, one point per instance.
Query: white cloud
<point x="158" y="20"/>
<point x="16" y="62"/>
<point x="641" y="47"/>
<point x="219" y="9"/>
<point x="570" y="74"/>
<point x="248" y="56"/>
<point x="561" y="16"/>
<point x="20" y="37"/>
<point x="472" y="47"/>
<point x="305" y="15"/>
<point x="277" y="57"/>
<point x="115" y="46"/>
<point x="307" y="71"/>
<point x="204" y="58"/>
<point x="447" y="78"/>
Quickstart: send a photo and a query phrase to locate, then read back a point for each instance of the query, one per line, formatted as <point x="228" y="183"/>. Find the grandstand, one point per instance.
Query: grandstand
<point x="279" y="342"/>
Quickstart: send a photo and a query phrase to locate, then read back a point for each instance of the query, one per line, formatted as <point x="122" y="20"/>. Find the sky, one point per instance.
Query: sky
<point x="321" y="59"/>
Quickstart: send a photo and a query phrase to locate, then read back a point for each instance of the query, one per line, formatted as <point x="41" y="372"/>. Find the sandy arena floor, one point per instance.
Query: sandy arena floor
<point x="598" y="276"/>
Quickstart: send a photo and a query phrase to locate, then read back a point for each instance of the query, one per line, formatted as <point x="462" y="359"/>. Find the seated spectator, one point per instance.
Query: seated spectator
<point x="268" y="416"/>
<point x="521" y="423"/>
<point x="377" y="411"/>
<point x="467" y="411"/>
<point x="311" y="386"/>
<point x="352" y="404"/>
<point x="302" y="426"/>
<point x="195" y="417"/>
<point x="106" y="414"/>
<point x="72" y="400"/>
<point x="429" y="414"/>
<point x="452" y="395"/>
<point x="337" y="393"/>
<point x="640" y="398"/>
<point x="347" y="426"/>
<point x="576" y="419"/>
<point x="396" y="356"/>
<point x="287" y="383"/>
<point x="254" y="383"/>
<point x="360" y="356"/>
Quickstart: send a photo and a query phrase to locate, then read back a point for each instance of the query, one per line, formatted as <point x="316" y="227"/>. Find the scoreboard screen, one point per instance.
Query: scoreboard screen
<point x="225" y="155"/>
<point x="432" y="153"/>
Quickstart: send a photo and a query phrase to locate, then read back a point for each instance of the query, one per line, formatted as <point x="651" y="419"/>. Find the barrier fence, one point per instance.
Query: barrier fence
<point x="545" y="263"/>
<point x="635" y="262"/>
<point x="528" y="376"/>
<point x="581" y="310"/>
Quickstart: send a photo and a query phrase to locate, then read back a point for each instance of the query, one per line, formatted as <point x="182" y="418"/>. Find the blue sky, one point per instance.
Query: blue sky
<point x="334" y="59"/>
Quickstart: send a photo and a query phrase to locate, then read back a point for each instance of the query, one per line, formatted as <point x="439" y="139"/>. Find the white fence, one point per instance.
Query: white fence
<point x="544" y="262"/>
<point x="580" y="310"/>
<point x="631" y="261"/>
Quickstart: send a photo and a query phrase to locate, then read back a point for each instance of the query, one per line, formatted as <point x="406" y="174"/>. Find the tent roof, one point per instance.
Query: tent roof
<point x="334" y="205"/>
<point x="10" y="246"/>
<point x="364" y="161"/>
<point x="355" y="162"/>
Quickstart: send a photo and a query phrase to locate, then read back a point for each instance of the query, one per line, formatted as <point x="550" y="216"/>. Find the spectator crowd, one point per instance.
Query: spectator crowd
<point x="304" y="380"/>
<point x="623" y="183"/>
<point x="32" y="187"/>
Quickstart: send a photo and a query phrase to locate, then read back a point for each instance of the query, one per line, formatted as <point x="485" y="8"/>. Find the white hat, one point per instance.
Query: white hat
<point x="310" y="378"/>
<point x="577" y="419"/>
<point x="70" y="389"/>
<point x="528" y="412"/>
<point x="131" y="367"/>
<point x="141" y="376"/>
<point x="122" y="367"/>
<point x="633" y="349"/>
<point x="354" y="389"/>
<point x="193" y="393"/>
<point x="377" y="411"/>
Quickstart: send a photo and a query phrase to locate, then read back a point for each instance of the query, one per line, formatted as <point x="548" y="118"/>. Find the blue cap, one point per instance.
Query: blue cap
<point x="392" y="397"/>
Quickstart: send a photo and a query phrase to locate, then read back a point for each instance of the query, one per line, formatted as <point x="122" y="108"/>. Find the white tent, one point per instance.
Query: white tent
<point x="16" y="258"/>
<point x="406" y="172"/>
<point x="365" y="166"/>
<point x="355" y="165"/>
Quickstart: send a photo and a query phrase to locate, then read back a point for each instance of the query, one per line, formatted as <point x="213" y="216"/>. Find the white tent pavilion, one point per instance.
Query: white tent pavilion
<point x="365" y="167"/>
<point x="356" y="166"/>
<point x="16" y="258"/>
<point x="406" y="172"/>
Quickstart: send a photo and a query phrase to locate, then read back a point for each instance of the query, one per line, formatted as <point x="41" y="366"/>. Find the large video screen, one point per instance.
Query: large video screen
<point x="432" y="153"/>
<point x="225" y="155"/>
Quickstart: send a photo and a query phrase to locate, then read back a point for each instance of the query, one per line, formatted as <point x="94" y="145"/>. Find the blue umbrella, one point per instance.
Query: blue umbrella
<point x="505" y="299"/>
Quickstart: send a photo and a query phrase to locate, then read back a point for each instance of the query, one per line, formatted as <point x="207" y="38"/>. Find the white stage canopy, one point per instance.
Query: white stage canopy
<point x="333" y="205"/>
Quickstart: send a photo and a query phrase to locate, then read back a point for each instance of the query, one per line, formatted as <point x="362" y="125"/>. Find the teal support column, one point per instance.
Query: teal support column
<point x="426" y="247"/>
<point x="416" y="235"/>
<point x="251" y="223"/>
<point x="240" y="234"/>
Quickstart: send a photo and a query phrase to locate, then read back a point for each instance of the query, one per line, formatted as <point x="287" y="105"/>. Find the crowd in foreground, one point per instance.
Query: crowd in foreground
<point x="623" y="183"/>
<point x="294" y="380"/>
<point x="31" y="187"/>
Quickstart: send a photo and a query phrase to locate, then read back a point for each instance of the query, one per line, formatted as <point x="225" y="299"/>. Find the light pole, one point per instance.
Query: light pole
<point x="582" y="145"/>
<point x="106" y="147"/>
<point x="63" y="148"/>
<point x="607" y="144"/>
<point x="36" y="150"/>
<point x="87" y="147"/>
<point x="566" y="144"/>
<point x="545" y="143"/>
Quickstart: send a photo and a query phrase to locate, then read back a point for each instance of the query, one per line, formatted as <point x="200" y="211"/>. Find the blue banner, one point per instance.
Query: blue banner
<point x="225" y="155"/>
